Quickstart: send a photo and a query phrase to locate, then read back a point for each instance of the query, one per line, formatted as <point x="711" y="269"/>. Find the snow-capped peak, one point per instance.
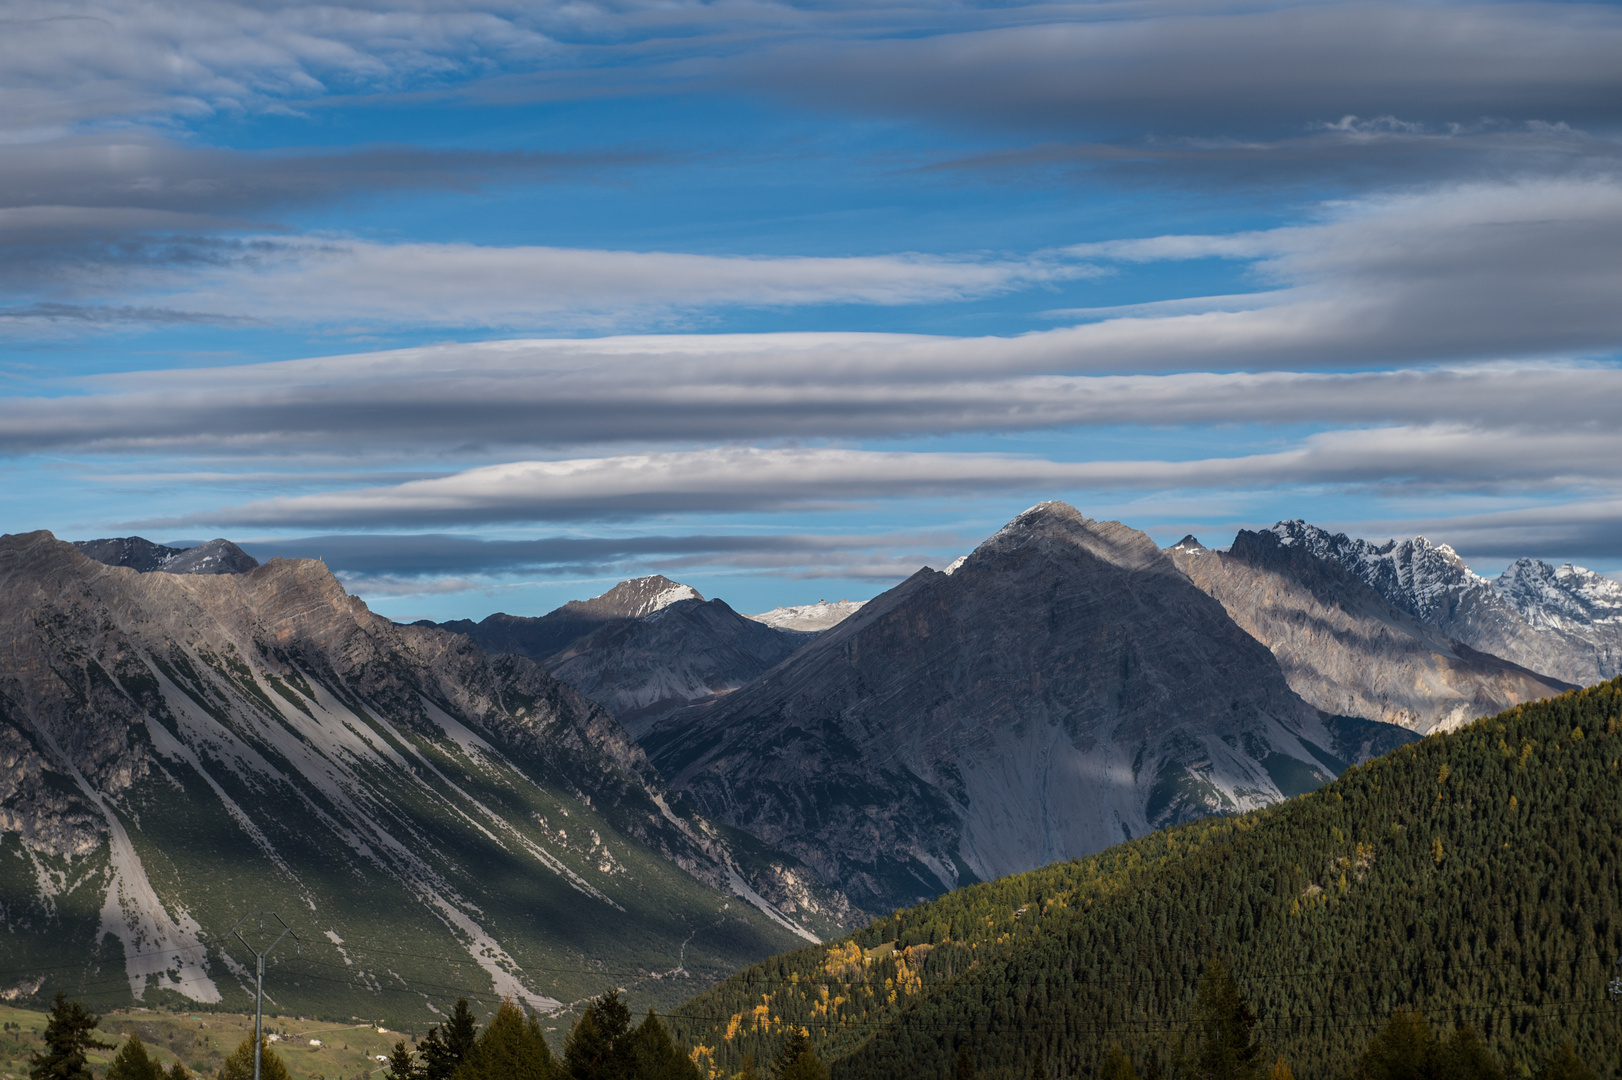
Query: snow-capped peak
<point x="809" y="617"/>
<point x="1559" y="596"/>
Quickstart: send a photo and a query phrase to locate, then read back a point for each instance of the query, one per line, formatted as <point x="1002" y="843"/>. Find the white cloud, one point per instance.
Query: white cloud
<point x="779" y="479"/>
<point x="347" y="281"/>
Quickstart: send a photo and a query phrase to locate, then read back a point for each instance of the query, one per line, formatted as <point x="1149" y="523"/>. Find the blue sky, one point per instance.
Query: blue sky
<point x="491" y="305"/>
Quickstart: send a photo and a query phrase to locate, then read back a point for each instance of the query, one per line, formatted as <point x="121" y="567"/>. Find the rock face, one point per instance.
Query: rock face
<point x="180" y="749"/>
<point x="1347" y="649"/>
<point x="137" y="553"/>
<point x="1065" y="688"/>
<point x="641" y="669"/>
<point x="1566" y="622"/>
<point x="538" y="637"/>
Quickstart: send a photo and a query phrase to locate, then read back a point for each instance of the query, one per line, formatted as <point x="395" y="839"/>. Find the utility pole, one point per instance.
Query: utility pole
<point x="259" y="976"/>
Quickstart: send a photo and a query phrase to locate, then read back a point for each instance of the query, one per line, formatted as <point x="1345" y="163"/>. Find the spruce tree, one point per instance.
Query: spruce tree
<point x="178" y="1071"/>
<point x="132" y="1063"/>
<point x="1223" y="1024"/>
<point x="964" y="1069"/>
<point x="67" y="1038"/>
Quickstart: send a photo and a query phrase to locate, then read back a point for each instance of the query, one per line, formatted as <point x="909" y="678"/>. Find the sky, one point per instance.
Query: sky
<point x="492" y="304"/>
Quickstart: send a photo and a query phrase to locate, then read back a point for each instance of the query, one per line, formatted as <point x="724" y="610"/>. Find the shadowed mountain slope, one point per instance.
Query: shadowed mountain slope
<point x="1346" y="648"/>
<point x="1064" y="689"/>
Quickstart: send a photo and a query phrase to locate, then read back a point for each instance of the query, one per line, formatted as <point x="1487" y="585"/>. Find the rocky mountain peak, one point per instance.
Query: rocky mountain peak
<point x="1054" y="525"/>
<point x="633" y="599"/>
<point x="1569" y="594"/>
<point x="1189" y="544"/>
<point x="217" y="556"/>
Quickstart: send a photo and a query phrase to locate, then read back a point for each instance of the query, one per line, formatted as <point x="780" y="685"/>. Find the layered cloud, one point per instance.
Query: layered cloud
<point x="755" y="479"/>
<point x="1461" y="272"/>
<point x="401" y="562"/>
<point x="1048" y="65"/>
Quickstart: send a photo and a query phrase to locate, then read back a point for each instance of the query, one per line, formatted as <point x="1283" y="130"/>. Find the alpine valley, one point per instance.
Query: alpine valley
<point x="650" y="790"/>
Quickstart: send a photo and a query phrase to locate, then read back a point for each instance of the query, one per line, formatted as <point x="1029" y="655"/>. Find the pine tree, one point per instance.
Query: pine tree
<point x="460" y="1033"/>
<point x="402" y="1064"/>
<point x="178" y="1071"/>
<point x="436" y="1062"/>
<point x="964" y="1070"/>
<point x="67" y="1038"/>
<point x="808" y="1066"/>
<point x="132" y="1063"/>
<point x="750" y="1071"/>
<point x="1223" y="1024"/>
<point x="239" y="1066"/>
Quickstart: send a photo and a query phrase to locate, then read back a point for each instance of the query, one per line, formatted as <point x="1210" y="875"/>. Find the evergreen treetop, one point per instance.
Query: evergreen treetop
<point x="68" y="1036"/>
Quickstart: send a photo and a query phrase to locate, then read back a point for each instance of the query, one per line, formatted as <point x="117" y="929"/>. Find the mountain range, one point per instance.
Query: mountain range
<point x="649" y="788"/>
<point x="437" y="821"/>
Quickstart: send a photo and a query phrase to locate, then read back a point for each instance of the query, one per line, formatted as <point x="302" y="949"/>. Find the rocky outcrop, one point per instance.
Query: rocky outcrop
<point x="1347" y="649"/>
<point x="177" y="749"/>
<point x="1564" y="623"/>
<point x="1065" y="688"/>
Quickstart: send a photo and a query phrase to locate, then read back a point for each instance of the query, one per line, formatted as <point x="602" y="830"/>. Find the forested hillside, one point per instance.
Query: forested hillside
<point x="1473" y="876"/>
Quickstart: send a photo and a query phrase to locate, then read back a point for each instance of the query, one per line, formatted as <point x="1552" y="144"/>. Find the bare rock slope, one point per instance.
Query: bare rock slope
<point x="181" y="749"/>
<point x="1065" y="688"/>
<point x="1347" y="649"/>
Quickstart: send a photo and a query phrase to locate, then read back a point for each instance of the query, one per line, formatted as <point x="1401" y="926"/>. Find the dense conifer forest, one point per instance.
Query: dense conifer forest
<point x="1466" y="883"/>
